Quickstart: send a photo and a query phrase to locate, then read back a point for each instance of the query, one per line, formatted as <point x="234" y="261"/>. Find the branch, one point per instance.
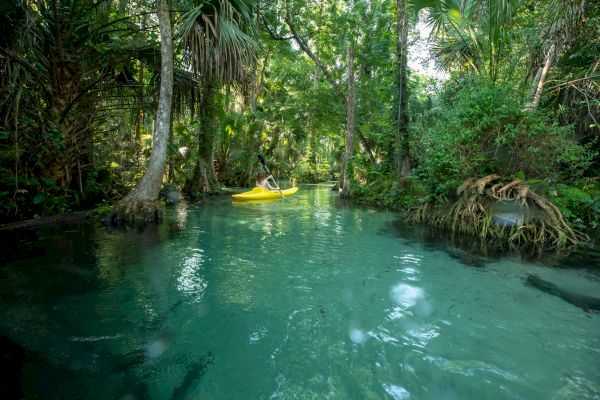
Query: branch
<point x="271" y="33"/>
<point x="334" y="85"/>
<point x="28" y="67"/>
<point x="304" y="46"/>
<point x="365" y="143"/>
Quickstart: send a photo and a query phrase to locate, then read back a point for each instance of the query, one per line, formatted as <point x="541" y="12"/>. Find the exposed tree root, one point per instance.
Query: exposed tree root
<point x="537" y="221"/>
<point x="136" y="211"/>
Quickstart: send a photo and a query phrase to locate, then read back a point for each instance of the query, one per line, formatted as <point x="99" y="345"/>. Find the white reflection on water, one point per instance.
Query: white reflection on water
<point x="409" y="258"/>
<point x="358" y="336"/>
<point x="322" y="218"/>
<point x="190" y="280"/>
<point x="383" y="335"/>
<point x="257" y="335"/>
<point x="468" y="367"/>
<point x="397" y="313"/>
<point x="405" y="295"/>
<point x="157" y="348"/>
<point x="424" y="334"/>
<point x="397" y="392"/>
<point x="93" y="338"/>
<point x="182" y="215"/>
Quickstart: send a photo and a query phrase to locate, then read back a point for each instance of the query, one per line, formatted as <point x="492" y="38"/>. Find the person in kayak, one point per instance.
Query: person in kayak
<point x="262" y="180"/>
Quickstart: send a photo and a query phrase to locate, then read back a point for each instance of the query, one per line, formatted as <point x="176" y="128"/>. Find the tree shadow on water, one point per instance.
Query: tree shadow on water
<point x="477" y="252"/>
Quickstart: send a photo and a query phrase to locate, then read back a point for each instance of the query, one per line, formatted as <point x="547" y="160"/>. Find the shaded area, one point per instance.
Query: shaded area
<point x="193" y="375"/>
<point x="476" y="252"/>
<point x="586" y="303"/>
<point x="12" y="357"/>
<point x="18" y="246"/>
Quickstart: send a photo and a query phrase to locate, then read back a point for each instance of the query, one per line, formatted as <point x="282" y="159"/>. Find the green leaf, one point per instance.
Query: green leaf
<point x="39" y="198"/>
<point x="46" y="181"/>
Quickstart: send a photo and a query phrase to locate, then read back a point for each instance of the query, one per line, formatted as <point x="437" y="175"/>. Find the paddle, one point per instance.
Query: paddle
<point x="264" y="164"/>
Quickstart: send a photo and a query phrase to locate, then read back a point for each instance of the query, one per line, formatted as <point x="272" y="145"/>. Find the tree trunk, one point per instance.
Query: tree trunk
<point x="146" y="192"/>
<point x="337" y="90"/>
<point x="538" y="87"/>
<point x="170" y="156"/>
<point x="344" y="179"/>
<point x="403" y="145"/>
<point x="204" y="181"/>
<point x="140" y="112"/>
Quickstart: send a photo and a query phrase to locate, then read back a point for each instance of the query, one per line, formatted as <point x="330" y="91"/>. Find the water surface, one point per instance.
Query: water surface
<point x="308" y="298"/>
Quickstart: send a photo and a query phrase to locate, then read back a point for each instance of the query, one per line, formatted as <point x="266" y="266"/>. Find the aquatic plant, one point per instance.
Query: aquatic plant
<point x="532" y="220"/>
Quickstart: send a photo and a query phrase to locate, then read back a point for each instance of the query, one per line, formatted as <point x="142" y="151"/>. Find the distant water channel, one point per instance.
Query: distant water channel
<point x="307" y="298"/>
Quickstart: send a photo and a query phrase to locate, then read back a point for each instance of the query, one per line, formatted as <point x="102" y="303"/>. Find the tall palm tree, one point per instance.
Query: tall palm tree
<point x="219" y="46"/>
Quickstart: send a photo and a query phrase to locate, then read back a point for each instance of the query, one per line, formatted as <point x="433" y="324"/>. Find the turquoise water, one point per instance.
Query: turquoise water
<point x="308" y="298"/>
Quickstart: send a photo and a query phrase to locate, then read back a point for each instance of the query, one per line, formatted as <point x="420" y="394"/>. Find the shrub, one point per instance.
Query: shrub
<point x="481" y="129"/>
<point x="311" y="172"/>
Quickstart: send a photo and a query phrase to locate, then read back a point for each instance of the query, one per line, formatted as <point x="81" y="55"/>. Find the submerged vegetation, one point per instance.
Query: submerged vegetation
<point x="105" y="102"/>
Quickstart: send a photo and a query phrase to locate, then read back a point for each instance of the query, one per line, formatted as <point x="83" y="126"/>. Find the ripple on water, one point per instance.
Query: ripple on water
<point x="397" y="392"/>
<point x="297" y="300"/>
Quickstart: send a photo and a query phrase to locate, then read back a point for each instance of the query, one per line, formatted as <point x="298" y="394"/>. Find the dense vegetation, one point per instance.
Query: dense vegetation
<point x="321" y="88"/>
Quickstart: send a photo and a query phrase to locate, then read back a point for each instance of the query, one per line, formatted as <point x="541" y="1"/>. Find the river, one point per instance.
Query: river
<point x="305" y="298"/>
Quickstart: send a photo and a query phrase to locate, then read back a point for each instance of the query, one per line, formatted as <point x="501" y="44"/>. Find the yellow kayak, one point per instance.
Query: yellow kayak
<point x="259" y="193"/>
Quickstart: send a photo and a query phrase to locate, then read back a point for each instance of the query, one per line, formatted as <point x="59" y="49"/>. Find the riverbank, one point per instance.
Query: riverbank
<point x="73" y="217"/>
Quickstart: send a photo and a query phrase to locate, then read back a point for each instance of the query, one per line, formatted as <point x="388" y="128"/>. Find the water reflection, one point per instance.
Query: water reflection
<point x="357" y="336"/>
<point x="190" y="279"/>
<point x="182" y="215"/>
<point x="405" y="295"/>
<point x="396" y="392"/>
<point x="294" y="299"/>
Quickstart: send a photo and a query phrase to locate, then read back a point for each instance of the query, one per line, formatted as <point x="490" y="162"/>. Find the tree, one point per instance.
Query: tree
<point x="217" y="35"/>
<point x="144" y="195"/>
<point x="564" y="17"/>
<point x="403" y="120"/>
<point x="337" y="90"/>
<point x="61" y="60"/>
<point x="344" y="180"/>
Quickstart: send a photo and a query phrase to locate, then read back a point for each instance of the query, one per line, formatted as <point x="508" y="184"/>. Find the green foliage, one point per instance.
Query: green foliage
<point x="580" y="205"/>
<point x="104" y="208"/>
<point x="306" y="171"/>
<point x="390" y="191"/>
<point x="482" y="129"/>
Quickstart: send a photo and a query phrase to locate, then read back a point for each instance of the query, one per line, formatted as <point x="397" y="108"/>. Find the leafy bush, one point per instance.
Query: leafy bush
<point x="311" y="172"/>
<point x="580" y="205"/>
<point x="482" y="129"/>
<point x="389" y="191"/>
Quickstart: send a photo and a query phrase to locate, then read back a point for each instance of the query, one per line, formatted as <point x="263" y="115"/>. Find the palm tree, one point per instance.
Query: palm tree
<point x="473" y="35"/>
<point x="219" y="45"/>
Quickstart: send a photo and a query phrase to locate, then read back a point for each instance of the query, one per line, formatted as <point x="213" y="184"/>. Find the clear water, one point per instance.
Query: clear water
<point x="308" y="298"/>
